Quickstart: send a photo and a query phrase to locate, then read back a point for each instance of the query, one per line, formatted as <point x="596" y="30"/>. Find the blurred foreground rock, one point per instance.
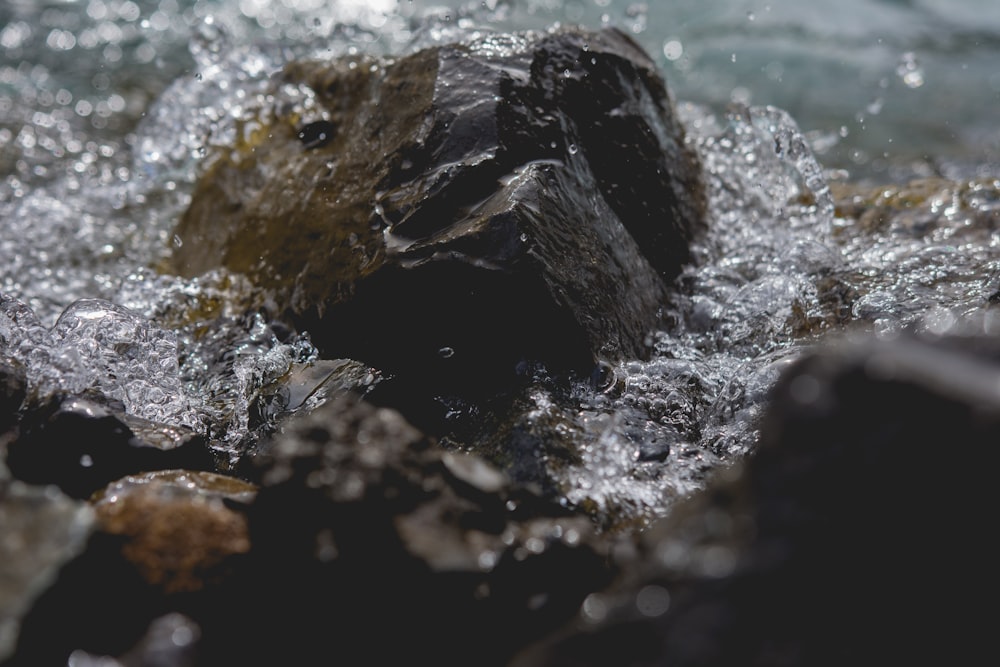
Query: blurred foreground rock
<point x="857" y="534"/>
<point x="361" y="527"/>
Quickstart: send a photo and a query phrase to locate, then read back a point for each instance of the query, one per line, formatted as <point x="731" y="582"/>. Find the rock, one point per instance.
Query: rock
<point x="363" y="524"/>
<point x="179" y="533"/>
<point x="448" y="215"/>
<point x="82" y="443"/>
<point x="42" y="530"/>
<point x="856" y="534"/>
<point x="162" y="542"/>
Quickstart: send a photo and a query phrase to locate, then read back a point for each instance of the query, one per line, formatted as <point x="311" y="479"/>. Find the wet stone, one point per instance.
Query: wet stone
<point x="862" y="520"/>
<point x="361" y="521"/>
<point x="306" y="386"/>
<point x="82" y="443"/>
<point x="512" y="201"/>
<point x="178" y="529"/>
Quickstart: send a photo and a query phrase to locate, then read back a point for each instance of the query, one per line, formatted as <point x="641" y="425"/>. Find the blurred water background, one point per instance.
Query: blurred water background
<point x="878" y="85"/>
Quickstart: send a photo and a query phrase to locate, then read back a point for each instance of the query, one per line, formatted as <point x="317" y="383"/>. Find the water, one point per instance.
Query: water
<point x="108" y="107"/>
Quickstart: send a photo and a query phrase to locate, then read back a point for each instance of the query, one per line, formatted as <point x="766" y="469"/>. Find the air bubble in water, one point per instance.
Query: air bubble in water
<point x="910" y="70"/>
<point x="96" y="344"/>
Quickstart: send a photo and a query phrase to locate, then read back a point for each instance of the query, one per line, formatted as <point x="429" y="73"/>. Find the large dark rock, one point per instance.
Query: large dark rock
<point x="859" y="533"/>
<point x="450" y="214"/>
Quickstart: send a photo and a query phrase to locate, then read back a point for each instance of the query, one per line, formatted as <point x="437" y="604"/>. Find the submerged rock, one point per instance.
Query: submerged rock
<point x="857" y="534"/>
<point x="450" y="214"/>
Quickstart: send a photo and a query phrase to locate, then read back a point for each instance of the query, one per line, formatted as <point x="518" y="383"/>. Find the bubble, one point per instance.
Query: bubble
<point x="594" y="608"/>
<point x="910" y="71"/>
<point x="652" y="601"/>
<point x="673" y="49"/>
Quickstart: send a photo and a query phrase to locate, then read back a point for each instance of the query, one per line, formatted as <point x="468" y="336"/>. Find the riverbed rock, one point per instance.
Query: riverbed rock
<point x="364" y="525"/>
<point x="83" y="442"/>
<point x="164" y="542"/>
<point x="171" y="641"/>
<point x="179" y="532"/>
<point x="448" y="215"/>
<point x="857" y="534"/>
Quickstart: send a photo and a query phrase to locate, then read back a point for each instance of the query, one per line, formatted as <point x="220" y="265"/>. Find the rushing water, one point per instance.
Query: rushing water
<point x="108" y="106"/>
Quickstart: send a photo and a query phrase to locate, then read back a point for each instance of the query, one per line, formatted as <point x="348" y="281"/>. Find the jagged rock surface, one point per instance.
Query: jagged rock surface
<point x="449" y="215"/>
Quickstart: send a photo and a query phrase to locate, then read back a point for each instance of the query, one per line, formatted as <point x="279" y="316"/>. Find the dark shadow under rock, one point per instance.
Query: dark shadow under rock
<point x="449" y="215"/>
<point x="83" y="443"/>
<point x="171" y="641"/>
<point x="13" y="391"/>
<point x="857" y="534"/>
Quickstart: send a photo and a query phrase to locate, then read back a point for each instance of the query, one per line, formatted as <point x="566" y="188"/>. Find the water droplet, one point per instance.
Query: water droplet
<point x="446" y="352"/>
<point x="573" y="149"/>
<point x="178" y="241"/>
<point x="86" y="461"/>
<point x="673" y="49"/>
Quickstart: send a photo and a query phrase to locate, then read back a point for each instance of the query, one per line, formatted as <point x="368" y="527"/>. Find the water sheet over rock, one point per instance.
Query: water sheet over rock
<point x="450" y="214"/>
